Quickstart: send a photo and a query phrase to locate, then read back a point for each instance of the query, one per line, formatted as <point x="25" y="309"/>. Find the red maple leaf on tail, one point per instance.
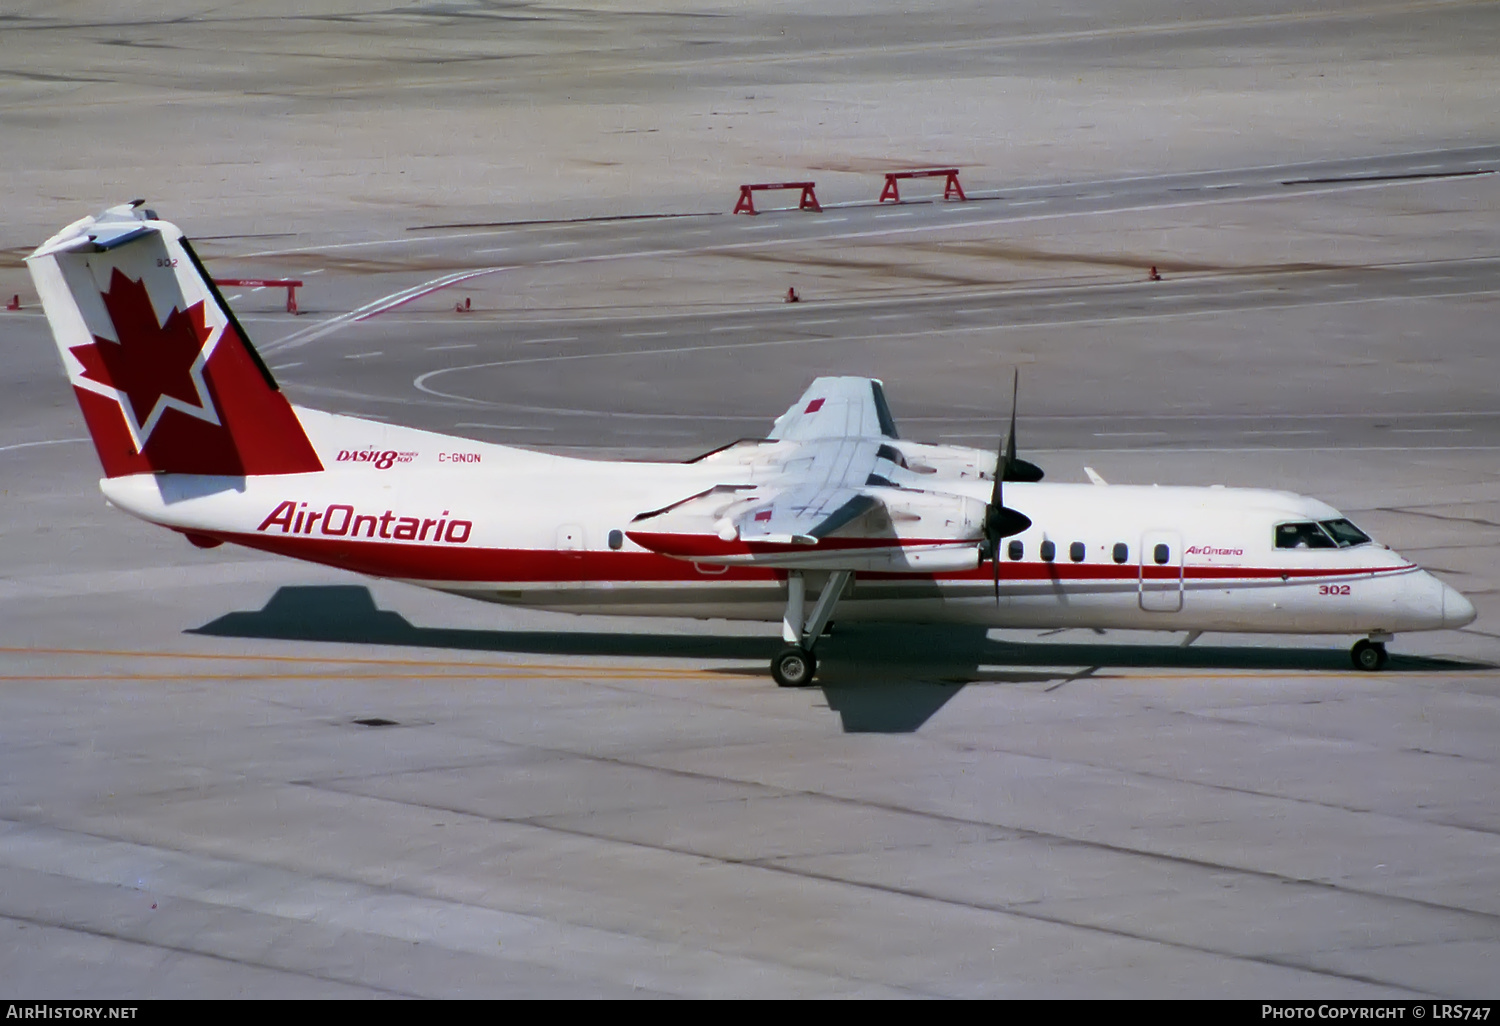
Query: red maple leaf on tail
<point x="151" y="361"/>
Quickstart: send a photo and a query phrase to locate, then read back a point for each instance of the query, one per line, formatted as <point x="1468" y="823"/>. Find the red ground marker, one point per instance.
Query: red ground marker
<point x="808" y="201"/>
<point x="289" y="284"/>
<point x="951" y="189"/>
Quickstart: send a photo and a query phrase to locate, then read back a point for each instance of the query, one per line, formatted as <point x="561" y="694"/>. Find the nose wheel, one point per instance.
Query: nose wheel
<point x="1369" y="655"/>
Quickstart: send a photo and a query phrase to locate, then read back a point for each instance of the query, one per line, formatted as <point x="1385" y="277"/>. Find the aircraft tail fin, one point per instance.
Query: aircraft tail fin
<point x="165" y="375"/>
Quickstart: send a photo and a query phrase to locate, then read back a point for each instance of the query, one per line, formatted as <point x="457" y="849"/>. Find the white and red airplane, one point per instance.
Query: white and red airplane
<point x="832" y="509"/>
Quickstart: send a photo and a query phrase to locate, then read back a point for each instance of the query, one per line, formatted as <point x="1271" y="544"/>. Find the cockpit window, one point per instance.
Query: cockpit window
<point x="1306" y="535"/>
<point x="1345" y="533"/>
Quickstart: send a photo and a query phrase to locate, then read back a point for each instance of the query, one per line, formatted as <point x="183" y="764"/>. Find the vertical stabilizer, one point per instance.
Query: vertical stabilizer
<point x="165" y="376"/>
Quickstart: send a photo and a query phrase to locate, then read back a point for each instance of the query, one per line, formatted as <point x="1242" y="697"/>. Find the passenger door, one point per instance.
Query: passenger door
<point x="1161" y="571"/>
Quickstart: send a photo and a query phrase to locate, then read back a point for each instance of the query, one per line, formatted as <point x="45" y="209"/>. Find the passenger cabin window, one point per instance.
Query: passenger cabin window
<point x="1049" y="551"/>
<point x="1121" y="552"/>
<point x="616" y="539"/>
<point x="1015" y="549"/>
<point x="1076" y="552"/>
<point x="1303" y="535"/>
<point x="1161" y="554"/>
<point x="1345" y="533"/>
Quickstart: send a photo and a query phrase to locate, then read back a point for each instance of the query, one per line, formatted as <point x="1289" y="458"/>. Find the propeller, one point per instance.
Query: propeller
<point x="999" y="521"/>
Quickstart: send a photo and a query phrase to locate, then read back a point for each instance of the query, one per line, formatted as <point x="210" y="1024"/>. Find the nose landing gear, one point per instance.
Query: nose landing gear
<point x="795" y="665"/>
<point x="1369" y="653"/>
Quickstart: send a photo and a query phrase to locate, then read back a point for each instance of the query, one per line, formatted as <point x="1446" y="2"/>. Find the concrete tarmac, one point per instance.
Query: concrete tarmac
<point x="229" y="775"/>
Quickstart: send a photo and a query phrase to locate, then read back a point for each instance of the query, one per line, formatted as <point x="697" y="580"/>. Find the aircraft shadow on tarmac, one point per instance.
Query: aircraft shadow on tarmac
<point x="877" y="679"/>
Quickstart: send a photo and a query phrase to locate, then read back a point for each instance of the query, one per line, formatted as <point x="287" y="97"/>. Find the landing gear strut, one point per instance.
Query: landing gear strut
<point x="795" y="665"/>
<point x="1369" y="654"/>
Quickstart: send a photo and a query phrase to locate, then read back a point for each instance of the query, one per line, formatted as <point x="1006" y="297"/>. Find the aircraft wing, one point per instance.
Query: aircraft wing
<point x="803" y="515"/>
<point x="837" y="408"/>
<point x="827" y="502"/>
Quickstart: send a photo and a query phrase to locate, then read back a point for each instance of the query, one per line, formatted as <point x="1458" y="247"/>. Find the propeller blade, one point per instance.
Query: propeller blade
<point x="997" y="489"/>
<point x="1000" y="522"/>
<point x="1010" y="436"/>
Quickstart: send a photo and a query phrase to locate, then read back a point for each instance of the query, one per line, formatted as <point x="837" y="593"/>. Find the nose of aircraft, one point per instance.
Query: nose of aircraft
<point x="1457" y="610"/>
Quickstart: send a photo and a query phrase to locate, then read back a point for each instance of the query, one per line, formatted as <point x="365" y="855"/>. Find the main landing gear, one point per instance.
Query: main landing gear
<point x="795" y="665"/>
<point x="1369" y="653"/>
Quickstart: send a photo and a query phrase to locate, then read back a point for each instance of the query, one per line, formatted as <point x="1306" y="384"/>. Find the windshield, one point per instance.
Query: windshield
<point x="1345" y="533"/>
<point x="1305" y="535"/>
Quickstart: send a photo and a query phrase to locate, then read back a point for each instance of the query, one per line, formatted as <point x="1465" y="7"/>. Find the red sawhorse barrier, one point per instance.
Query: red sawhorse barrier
<point x="289" y="284"/>
<point x="746" y="204"/>
<point x="951" y="188"/>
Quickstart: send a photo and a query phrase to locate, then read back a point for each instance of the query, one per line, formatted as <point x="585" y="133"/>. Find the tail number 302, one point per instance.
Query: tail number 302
<point x="1333" y="589"/>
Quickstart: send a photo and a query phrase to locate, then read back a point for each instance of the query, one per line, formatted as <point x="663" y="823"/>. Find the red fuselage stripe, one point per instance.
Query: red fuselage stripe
<point x="462" y="563"/>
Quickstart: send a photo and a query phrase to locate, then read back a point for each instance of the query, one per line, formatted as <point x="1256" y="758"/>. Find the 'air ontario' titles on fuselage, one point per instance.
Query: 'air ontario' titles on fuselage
<point x="339" y="520"/>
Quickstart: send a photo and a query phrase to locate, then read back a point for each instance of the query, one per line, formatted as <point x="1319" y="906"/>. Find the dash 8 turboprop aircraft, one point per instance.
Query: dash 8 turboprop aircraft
<point x="832" y="510"/>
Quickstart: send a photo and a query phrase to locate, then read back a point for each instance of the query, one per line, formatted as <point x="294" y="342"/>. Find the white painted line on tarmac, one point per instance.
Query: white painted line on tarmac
<point x="32" y="445"/>
<point x="825" y="320"/>
<point x="559" y="338"/>
<point x="456" y="345"/>
<point x="385" y="303"/>
<point x="1219" y="417"/>
<point x="891" y="317"/>
<point x="1155" y="450"/>
<point x="405" y="240"/>
<point x="1431" y="431"/>
<point x="735" y="327"/>
<point x="644" y="334"/>
<point x="1025" y="203"/>
<point x="1130" y="434"/>
<point x="374" y="308"/>
<point x="1434" y="277"/>
<point x="1303" y="431"/>
<point x="1342" y="285"/>
<point x="286" y="366"/>
<point x="362" y="356"/>
<point x="557" y="245"/>
<point x="420" y="382"/>
<point x="898" y="213"/>
<point x="492" y="249"/>
<point x="504" y="427"/>
<point x="1270" y="448"/>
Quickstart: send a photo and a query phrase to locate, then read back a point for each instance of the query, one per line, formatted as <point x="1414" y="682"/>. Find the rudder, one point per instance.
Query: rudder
<point x="180" y="393"/>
